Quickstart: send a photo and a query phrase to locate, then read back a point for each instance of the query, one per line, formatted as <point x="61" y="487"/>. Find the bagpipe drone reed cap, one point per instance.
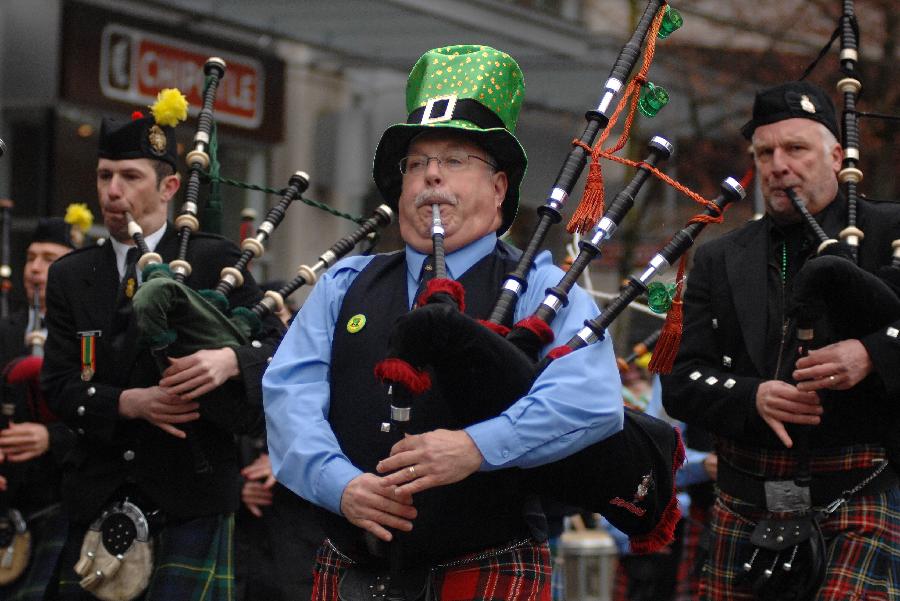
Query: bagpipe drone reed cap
<point x="795" y="99"/>
<point x="473" y="89"/>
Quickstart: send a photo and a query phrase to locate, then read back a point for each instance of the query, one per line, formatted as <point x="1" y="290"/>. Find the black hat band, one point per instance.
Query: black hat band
<point x="446" y="108"/>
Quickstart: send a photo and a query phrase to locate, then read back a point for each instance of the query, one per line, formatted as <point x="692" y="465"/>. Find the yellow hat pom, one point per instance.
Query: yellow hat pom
<point x="79" y="215"/>
<point x="170" y="108"/>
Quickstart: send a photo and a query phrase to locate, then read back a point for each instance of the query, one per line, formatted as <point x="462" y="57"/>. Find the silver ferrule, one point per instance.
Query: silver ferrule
<point x="227" y="277"/>
<point x="513" y="286"/>
<point x="553" y="303"/>
<point x="319" y="266"/>
<point x="805" y="334"/>
<point x="328" y="258"/>
<point x="587" y="335"/>
<point x="400" y="414"/>
<point x="604" y="230"/>
<point x="189" y="207"/>
<point x="201" y="137"/>
<point x="657" y="264"/>
<point x="613" y="86"/>
<point x="557" y="199"/>
<point x="851" y="153"/>
<point x="437" y="227"/>
<point x="266" y="227"/>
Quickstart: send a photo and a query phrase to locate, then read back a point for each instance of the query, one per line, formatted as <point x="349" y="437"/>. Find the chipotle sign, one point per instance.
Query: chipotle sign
<point x="135" y="65"/>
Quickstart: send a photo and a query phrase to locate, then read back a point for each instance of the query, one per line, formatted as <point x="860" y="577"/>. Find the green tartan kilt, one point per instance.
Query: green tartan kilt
<point x="48" y="535"/>
<point x="194" y="561"/>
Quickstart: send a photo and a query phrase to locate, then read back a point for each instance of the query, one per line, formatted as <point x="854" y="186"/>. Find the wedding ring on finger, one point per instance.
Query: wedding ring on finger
<point x="831" y="379"/>
<point x="412" y="470"/>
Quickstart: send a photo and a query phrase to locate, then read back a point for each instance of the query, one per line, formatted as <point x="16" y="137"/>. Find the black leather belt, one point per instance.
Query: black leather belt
<point x="824" y="488"/>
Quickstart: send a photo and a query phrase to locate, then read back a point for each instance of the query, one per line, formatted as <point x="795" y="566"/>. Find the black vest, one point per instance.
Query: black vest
<point x="483" y="510"/>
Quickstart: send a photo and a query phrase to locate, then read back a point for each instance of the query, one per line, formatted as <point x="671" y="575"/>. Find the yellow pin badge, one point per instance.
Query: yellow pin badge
<point x="356" y="323"/>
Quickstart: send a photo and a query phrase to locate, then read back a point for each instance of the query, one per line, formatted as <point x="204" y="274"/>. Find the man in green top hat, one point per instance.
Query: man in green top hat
<point x="445" y="494"/>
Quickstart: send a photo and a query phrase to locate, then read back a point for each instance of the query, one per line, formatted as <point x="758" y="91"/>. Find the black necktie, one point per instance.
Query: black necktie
<point x="129" y="281"/>
<point x="127" y="288"/>
<point x="426" y="274"/>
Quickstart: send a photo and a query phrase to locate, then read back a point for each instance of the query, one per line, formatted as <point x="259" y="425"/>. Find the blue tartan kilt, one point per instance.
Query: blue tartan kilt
<point x="193" y="561"/>
<point x="48" y="535"/>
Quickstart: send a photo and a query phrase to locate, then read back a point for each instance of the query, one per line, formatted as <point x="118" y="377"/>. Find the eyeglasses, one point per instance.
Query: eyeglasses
<point x="416" y="164"/>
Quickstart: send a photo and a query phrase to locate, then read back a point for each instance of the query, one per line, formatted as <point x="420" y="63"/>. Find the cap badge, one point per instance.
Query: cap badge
<point x="807" y="105"/>
<point x="157" y="138"/>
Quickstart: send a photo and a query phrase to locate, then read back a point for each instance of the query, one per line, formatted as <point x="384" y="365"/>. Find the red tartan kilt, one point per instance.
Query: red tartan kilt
<point x="520" y="573"/>
<point x="862" y="537"/>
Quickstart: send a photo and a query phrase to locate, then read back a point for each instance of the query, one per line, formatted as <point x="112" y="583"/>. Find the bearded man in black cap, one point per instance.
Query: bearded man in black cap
<point x="132" y="456"/>
<point x="32" y="442"/>
<point x="739" y="375"/>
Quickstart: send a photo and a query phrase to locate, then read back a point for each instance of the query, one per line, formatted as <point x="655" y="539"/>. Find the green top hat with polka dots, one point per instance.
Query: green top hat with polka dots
<point x="472" y="89"/>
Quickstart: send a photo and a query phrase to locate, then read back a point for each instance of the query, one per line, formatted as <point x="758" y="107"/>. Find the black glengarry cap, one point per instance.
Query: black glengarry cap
<point x="795" y="99"/>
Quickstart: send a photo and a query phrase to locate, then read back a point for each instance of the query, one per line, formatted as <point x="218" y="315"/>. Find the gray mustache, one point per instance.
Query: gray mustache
<point x="430" y="197"/>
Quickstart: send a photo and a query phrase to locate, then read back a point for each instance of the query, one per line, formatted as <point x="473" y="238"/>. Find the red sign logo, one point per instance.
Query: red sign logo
<point x="135" y="66"/>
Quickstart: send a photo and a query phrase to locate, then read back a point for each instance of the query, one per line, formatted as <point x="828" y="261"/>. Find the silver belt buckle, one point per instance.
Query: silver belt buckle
<point x="785" y="495"/>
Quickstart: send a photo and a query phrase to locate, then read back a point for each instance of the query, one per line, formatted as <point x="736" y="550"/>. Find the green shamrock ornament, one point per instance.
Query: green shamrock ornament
<point x="659" y="296"/>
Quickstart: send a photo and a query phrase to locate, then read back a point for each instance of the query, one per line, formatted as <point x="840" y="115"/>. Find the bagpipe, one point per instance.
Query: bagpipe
<point x="176" y="320"/>
<point x="481" y="368"/>
<point x="24" y="372"/>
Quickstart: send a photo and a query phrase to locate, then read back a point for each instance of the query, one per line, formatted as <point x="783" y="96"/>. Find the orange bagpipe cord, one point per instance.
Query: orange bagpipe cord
<point x="670" y="337"/>
<point x="591" y="207"/>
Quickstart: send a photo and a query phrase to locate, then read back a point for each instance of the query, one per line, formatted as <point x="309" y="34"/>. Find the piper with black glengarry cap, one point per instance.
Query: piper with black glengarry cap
<point x="806" y="430"/>
<point x="141" y="515"/>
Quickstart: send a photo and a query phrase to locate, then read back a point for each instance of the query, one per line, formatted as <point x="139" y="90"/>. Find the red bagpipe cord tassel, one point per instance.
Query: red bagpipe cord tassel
<point x="664" y="532"/>
<point x="670" y="338"/>
<point x="399" y="371"/>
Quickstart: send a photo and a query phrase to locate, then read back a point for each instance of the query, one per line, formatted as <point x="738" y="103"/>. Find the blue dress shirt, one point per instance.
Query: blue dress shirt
<point x="575" y="402"/>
